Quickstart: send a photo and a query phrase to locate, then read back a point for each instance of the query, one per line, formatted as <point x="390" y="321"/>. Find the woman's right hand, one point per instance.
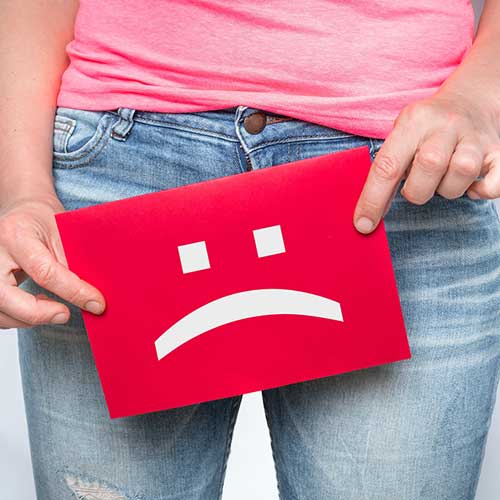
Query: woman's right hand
<point x="30" y="246"/>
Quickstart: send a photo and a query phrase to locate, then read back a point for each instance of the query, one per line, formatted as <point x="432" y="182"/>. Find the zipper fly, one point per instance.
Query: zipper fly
<point x="247" y="159"/>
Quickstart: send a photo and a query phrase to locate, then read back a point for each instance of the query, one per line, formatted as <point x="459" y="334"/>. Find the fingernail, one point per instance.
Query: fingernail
<point x="60" y="318"/>
<point x="94" y="307"/>
<point x="473" y="195"/>
<point x="364" y="225"/>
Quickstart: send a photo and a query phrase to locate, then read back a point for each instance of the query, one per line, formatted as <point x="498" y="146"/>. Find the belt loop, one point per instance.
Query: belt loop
<point x="121" y="129"/>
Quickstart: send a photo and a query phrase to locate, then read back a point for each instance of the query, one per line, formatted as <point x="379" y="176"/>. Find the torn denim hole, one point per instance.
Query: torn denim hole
<point x="86" y="490"/>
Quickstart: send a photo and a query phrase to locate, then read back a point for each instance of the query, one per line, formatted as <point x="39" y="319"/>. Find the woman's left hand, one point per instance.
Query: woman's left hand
<point x="441" y="145"/>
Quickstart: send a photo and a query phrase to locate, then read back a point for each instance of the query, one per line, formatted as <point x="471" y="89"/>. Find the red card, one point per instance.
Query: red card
<point x="236" y="284"/>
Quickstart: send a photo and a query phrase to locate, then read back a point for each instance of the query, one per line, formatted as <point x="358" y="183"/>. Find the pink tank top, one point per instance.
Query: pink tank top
<point x="346" y="64"/>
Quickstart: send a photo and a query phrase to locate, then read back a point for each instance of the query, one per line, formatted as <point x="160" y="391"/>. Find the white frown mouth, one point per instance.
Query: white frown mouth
<point x="243" y="305"/>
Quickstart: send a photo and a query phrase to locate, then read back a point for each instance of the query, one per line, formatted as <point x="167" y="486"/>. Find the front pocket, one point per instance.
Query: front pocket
<point x="79" y="135"/>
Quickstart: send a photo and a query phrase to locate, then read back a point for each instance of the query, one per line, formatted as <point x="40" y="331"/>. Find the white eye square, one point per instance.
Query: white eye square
<point x="269" y="241"/>
<point x="194" y="257"/>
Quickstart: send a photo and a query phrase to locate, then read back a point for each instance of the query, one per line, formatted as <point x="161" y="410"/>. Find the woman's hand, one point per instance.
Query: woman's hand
<point x="30" y="246"/>
<point x="440" y="145"/>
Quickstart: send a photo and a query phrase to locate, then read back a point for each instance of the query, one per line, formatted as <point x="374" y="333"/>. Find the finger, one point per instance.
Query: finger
<point x="429" y="166"/>
<point x="7" y="321"/>
<point x="465" y="166"/>
<point x="36" y="260"/>
<point x="489" y="186"/>
<point x="7" y="268"/>
<point x="25" y="307"/>
<point x="393" y="195"/>
<point x="391" y="199"/>
<point x="386" y="171"/>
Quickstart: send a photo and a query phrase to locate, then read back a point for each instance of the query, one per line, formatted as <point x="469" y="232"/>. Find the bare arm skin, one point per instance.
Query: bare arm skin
<point x="34" y="34"/>
<point x="443" y="143"/>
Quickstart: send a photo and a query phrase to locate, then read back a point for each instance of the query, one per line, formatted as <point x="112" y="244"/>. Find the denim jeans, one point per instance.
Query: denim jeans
<point x="410" y="430"/>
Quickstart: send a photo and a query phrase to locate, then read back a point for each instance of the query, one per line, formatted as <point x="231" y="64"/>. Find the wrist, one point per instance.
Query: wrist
<point x="472" y="97"/>
<point x="26" y="183"/>
<point x="31" y="196"/>
<point x="474" y="83"/>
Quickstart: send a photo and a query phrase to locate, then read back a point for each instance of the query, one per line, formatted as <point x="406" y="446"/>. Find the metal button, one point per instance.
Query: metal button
<point x="255" y="122"/>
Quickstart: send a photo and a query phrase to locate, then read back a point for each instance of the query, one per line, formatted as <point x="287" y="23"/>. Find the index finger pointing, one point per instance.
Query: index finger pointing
<point x="387" y="170"/>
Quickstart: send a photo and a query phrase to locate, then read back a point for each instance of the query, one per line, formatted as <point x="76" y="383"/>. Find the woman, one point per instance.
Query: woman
<point x="160" y="94"/>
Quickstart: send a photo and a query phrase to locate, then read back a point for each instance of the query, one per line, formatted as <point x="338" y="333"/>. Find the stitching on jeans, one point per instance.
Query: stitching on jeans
<point x="99" y="135"/>
<point x="63" y="130"/>
<point x="89" y="156"/>
<point x="168" y="124"/>
<point x="234" y="412"/>
<point x="64" y="120"/>
<point x="301" y="138"/>
<point x="186" y="128"/>
<point x="238" y="157"/>
<point x="64" y="127"/>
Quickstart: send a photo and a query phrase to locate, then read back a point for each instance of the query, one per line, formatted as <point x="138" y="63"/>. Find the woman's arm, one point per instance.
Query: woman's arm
<point x="32" y="57"/>
<point x="443" y="143"/>
<point x="34" y="34"/>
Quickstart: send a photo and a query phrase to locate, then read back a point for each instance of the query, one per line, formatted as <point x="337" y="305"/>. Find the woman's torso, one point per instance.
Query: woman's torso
<point x="350" y="65"/>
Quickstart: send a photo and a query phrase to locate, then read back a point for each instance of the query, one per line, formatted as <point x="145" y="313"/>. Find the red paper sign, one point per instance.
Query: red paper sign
<point x="236" y="284"/>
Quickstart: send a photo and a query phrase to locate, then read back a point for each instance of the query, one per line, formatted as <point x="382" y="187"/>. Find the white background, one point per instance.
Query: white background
<point x="250" y="472"/>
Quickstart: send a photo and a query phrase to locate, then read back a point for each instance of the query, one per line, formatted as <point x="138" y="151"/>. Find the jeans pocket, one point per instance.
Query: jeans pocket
<point x="79" y="135"/>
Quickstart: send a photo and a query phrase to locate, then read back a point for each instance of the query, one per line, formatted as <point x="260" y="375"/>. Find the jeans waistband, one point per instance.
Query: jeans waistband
<point x="229" y="122"/>
<point x="223" y="114"/>
<point x="235" y="124"/>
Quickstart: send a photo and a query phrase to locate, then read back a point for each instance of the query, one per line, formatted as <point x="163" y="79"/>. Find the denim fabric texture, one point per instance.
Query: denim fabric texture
<point x="410" y="430"/>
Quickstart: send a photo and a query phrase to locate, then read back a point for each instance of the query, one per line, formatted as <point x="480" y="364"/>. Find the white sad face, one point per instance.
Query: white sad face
<point x="241" y="305"/>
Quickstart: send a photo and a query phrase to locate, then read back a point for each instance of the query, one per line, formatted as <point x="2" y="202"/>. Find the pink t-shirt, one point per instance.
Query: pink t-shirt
<point x="346" y="64"/>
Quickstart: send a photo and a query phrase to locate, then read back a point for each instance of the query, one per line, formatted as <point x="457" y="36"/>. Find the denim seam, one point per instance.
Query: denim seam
<point x="64" y="121"/>
<point x="64" y="127"/>
<point x="302" y="138"/>
<point x="98" y="136"/>
<point x="90" y="155"/>
<point x="121" y="129"/>
<point x="232" y="418"/>
<point x="186" y="128"/>
<point x="61" y="138"/>
<point x="238" y="157"/>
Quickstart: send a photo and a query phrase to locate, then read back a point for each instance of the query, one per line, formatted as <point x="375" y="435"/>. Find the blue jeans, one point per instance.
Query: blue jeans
<point x="410" y="430"/>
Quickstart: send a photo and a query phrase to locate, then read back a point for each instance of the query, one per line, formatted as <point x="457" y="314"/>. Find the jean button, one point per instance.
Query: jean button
<point x="255" y="122"/>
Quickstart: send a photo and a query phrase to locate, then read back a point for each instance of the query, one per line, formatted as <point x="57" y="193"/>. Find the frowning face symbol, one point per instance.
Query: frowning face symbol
<point x="230" y="283"/>
<point x="244" y="304"/>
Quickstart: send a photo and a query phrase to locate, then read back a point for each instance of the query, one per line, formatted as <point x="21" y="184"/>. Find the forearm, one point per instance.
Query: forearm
<point x="477" y="78"/>
<point x="32" y="57"/>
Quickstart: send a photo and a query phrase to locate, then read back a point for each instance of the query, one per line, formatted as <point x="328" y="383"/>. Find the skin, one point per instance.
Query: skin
<point x="448" y="144"/>
<point x="36" y="31"/>
<point x="440" y="144"/>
